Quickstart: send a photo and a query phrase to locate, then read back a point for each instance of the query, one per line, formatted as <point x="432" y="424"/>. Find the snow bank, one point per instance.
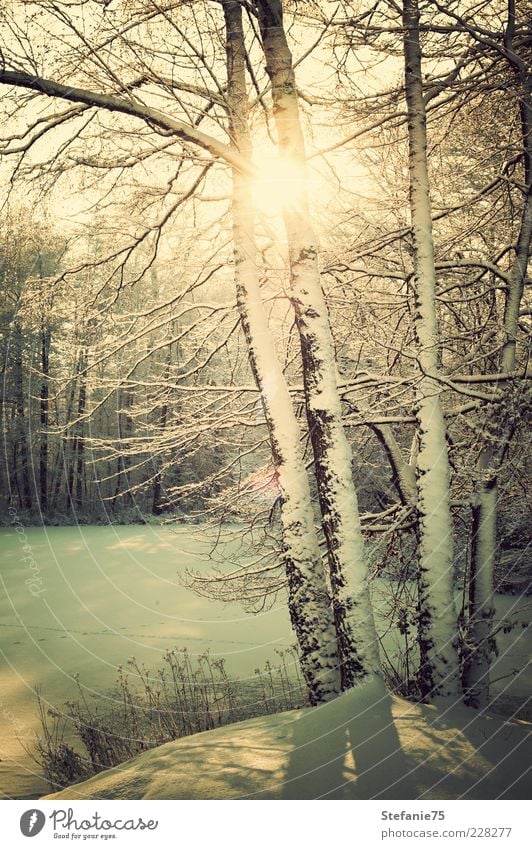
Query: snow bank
<point x="363" y="745"/>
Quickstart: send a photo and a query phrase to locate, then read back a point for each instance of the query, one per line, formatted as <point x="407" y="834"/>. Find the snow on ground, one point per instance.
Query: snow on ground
<point x="114" y="592"/>
<point x="364" y="745"/>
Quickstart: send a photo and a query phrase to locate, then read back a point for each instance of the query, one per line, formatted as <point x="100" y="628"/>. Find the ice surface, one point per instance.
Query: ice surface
<point x="114" y="592"/>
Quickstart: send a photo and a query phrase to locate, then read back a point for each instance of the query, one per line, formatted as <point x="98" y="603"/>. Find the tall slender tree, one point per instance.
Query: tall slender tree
<point x="308" y="599"/>
<point x="348" y="564"/>
<point x="501" y="424"/>
<point x="439" y="667"/>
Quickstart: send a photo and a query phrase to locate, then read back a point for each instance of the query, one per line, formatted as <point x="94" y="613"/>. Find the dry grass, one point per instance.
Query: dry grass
<point x="148" y="709"/>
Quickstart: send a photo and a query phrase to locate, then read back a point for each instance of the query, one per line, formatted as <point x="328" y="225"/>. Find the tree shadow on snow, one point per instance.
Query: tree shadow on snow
<point x="478" y="756"/>
<point x="349" y="749"/>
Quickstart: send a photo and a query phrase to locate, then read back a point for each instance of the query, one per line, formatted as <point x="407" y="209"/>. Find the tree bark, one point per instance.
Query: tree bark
<point x="480" y="642"/>
<point x="357" y="638"/>
<point x="437" y="625"/>
<point x="308" y="599"/>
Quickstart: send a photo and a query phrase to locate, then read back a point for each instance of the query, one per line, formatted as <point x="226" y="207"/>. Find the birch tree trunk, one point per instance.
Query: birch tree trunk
<point x="309" y="602"/>
<point x="480" y="640"/>
<point x="357" y="638"/>
<point x="437" y="625"/>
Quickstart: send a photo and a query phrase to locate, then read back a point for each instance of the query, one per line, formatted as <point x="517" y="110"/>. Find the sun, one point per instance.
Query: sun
<point x="278" y="184"/>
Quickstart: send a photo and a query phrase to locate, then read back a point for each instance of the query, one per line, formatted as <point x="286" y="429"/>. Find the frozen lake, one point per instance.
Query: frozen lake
<point x="104" y="594"/>
<point x="109" y="593"/>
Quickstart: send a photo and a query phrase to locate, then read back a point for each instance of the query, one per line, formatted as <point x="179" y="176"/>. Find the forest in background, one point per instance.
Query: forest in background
<point x="137" y="386"/>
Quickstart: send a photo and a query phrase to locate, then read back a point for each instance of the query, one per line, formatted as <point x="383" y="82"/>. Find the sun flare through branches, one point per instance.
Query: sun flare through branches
<point x="278" y="185"/>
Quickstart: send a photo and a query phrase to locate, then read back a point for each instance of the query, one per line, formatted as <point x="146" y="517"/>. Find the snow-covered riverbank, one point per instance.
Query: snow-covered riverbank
<point x="364" y="745"/>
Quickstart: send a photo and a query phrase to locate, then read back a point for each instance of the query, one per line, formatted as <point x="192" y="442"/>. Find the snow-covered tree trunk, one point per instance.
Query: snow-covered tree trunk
<point x="480" y="641"/>
<point x="355" y="626"/>
<point x="309" y="601"/>
<point x="437" y="626"/>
